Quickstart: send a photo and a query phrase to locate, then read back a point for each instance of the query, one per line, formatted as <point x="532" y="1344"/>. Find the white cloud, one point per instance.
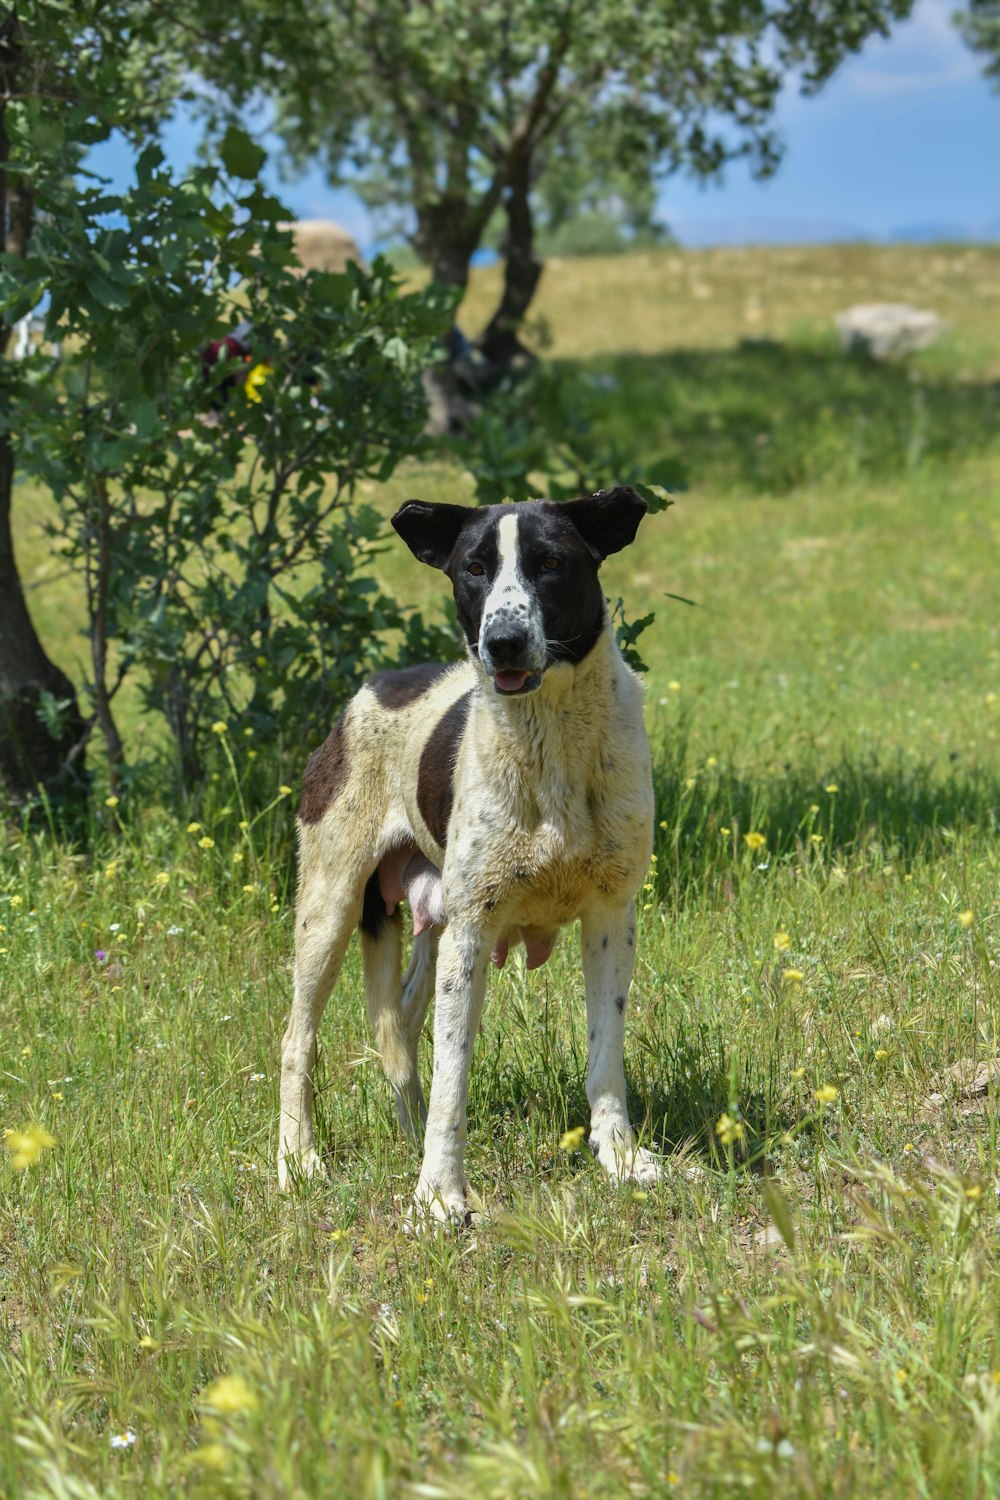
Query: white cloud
<point x="923" y="54"/>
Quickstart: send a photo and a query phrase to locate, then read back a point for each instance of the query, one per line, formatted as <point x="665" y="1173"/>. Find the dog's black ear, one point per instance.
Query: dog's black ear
<point x="607" y="520"/>
<point x="430" y="530"/>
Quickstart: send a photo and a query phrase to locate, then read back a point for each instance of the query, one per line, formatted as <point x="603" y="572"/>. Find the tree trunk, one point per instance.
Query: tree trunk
<point x="498" y="342"/>
<point x="33" y="752"/>
<point x="446" y="240"/>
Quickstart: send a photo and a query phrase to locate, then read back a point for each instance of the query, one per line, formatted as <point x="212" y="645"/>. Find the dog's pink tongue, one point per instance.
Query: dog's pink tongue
<point x="509" y="682"/>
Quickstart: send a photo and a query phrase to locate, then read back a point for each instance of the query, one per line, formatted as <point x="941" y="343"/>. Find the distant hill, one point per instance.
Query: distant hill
<point x="703" y="233"/>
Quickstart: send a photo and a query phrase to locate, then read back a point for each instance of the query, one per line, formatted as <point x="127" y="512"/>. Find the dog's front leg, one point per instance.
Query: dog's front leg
<point x="608" y="943"/>
<point x="458" y="1006"/>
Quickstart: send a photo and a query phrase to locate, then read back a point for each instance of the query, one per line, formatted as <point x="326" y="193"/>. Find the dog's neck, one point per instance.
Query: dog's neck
<point x="561" y="726"/>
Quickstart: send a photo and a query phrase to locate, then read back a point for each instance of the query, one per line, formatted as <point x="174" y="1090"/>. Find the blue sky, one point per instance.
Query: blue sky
<point x="905" y="136"/>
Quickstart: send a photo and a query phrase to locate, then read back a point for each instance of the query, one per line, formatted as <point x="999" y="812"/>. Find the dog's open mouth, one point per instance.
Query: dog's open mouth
<point x="511" y="682"/>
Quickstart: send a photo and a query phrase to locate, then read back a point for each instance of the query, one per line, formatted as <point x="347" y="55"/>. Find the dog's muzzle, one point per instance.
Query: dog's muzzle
<point x="502" y="652"/>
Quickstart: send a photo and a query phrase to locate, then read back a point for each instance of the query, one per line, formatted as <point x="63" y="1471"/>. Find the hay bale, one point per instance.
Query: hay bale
<point x="321" y="245"/>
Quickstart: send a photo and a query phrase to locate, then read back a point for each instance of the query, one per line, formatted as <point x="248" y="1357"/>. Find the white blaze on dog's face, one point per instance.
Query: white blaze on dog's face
<point x="512" y="635"/>
<point x="525" y="577"/>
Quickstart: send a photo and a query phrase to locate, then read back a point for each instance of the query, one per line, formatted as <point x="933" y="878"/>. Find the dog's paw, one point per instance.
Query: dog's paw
<point x="437" y="1208"/>
<point x="296" y="1168"/>
<point x="627" y="1163"/>
<point x="643" y="1166"/>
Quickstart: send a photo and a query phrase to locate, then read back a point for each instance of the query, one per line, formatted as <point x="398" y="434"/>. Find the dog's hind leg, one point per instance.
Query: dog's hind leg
<point x="326" y="914"/>
<point x="396" y="1009"/>
<point x="418" y="987"/>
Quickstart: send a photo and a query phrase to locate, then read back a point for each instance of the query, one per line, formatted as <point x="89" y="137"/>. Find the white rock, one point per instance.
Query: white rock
<point x="887" y="329"/>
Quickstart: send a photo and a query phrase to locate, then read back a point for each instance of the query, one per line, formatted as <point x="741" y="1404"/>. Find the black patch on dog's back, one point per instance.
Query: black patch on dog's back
<point x="435" y="782"/>
<point x="401" y="686"/>
<point x="324" y="775"/>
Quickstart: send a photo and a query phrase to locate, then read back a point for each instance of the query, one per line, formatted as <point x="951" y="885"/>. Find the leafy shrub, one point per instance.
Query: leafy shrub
<point x="224" y="565"/>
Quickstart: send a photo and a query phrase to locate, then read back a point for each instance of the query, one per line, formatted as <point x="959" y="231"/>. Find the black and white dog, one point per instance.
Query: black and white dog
<point x="502" y="797"/>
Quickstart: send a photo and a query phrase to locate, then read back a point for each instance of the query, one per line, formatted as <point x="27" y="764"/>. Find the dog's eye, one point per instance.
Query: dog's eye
<point x="549" y="564"/>
<point x="476" y="569"/>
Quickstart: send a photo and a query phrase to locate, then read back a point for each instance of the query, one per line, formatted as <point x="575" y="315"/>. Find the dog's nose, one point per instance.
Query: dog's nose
<point x="506" y="642"/>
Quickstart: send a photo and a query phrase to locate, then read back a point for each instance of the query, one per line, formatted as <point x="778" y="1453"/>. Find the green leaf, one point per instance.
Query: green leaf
<point x="241" y="156"/>
<point x="113" y="297"/>
<point x="656" y="497"/>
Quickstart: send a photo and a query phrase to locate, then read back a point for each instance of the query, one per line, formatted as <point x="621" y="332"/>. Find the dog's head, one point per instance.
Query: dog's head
<point x="524" y="576"/>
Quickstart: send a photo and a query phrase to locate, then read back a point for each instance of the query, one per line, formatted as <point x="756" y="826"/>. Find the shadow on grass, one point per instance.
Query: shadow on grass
<point x="728" y="822"/>
<point x="768" y="417"/>
<point x="676" y="1093"/>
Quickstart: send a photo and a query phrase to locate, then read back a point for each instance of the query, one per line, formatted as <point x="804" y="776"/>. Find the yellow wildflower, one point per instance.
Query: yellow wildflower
<point x="206" y="843"/>
<point x="212" y="1456"/>
<point x="26" y="1146"/>
<point x="831" y="787"/>
<point x="729" y="1130"/>
<point x="111" y="802"/>
<point x="793" y="976"/>
<point x="880" y="1054"/>
<point x="754" y="840"/>
<point x="798" y="1072"/>
<point x="194" y="828"/>
<point x="826" y="1094"/>
<point x="965" y="919"/>
<point x="162" y="877"/>
<point x="229" y="1394"/>
<point x="256" y="379"/>
<point x="284" y="791"/>
<point x="571" y="1140"/>
<point x="674" y="687"/>
<point x="781" y="941"/>
<point x="220" y="727"/>
<point x="15" y="901"/>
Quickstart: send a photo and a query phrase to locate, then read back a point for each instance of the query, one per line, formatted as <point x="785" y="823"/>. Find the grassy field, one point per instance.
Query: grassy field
<point x="811" y="1301"/>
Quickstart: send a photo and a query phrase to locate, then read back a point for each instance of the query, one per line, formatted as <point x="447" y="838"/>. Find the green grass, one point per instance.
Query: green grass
<point x="814" y="1306"/>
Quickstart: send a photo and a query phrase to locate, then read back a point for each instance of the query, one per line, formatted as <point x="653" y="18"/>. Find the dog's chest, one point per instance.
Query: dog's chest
<point x="546" y="854"/>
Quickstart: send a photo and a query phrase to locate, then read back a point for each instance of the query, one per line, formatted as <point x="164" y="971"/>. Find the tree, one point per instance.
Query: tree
<point x="459" y="112"/>
<point x="979" y="23"/>
<point x="220" y="565"/>
<point x="220" y="560"/>
<point x="68" y="74"/>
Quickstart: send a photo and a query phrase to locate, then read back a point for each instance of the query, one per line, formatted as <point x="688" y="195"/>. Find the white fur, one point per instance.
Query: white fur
<point x="551" y="822"/>
<point x="511" y="597"/>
